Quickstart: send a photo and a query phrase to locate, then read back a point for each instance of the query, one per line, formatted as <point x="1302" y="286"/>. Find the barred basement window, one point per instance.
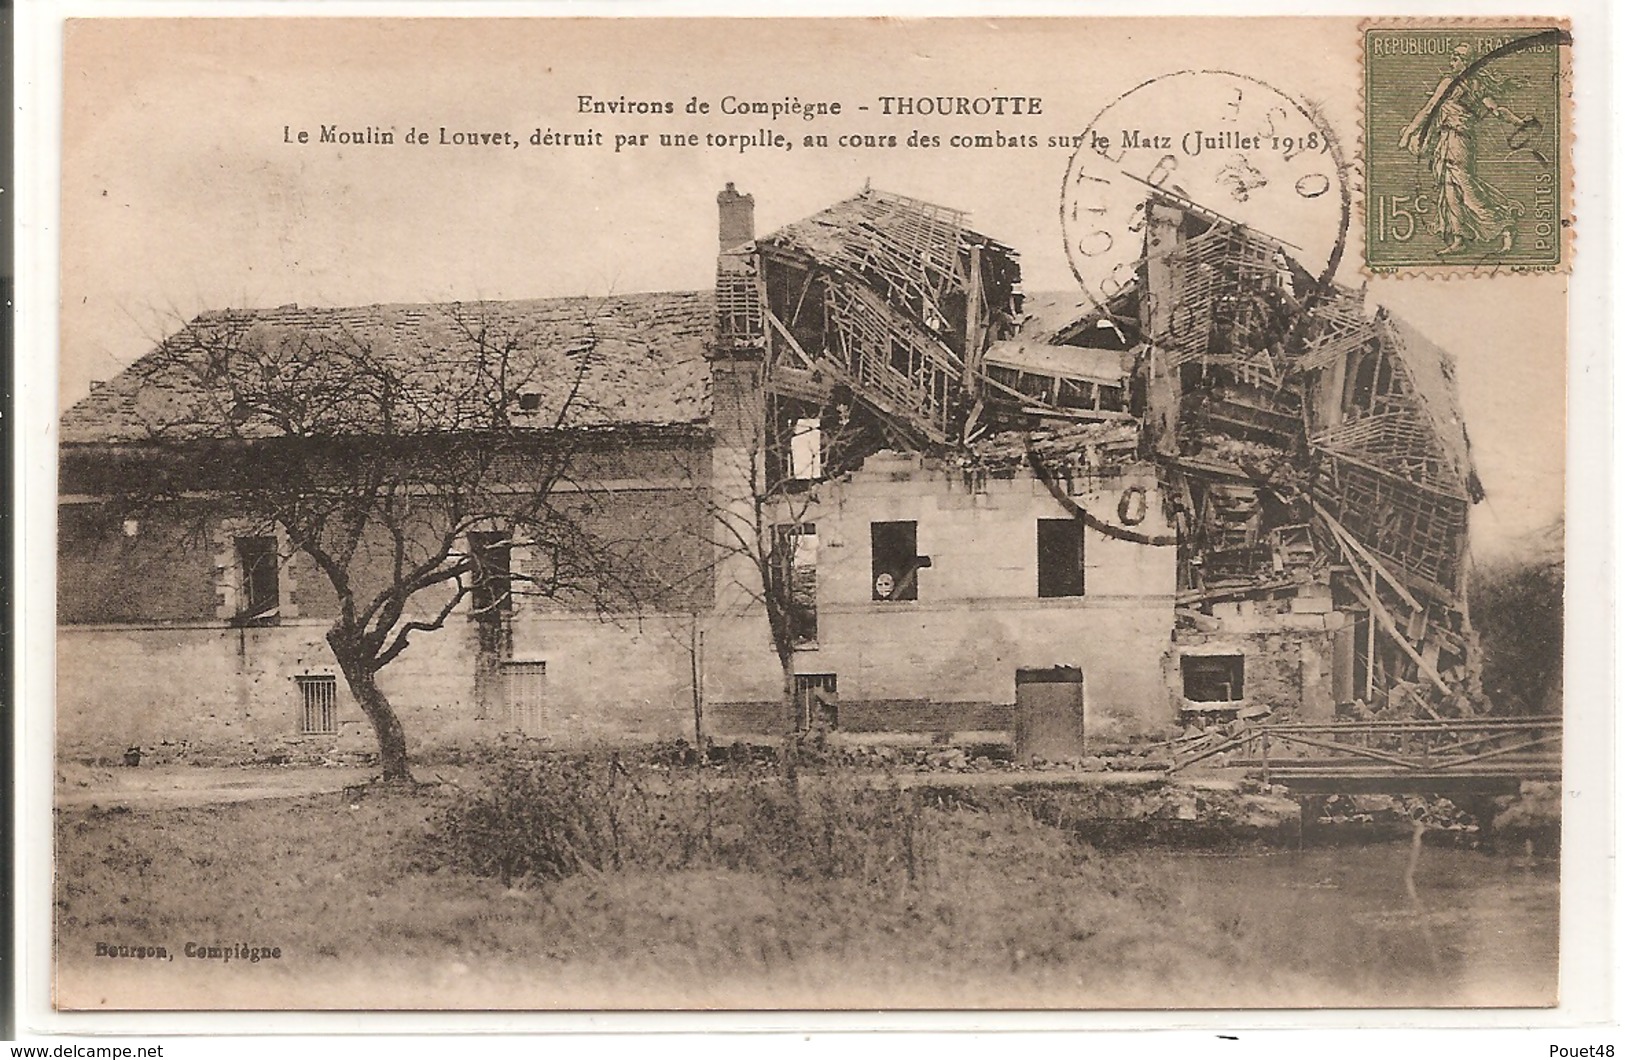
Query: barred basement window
<point x="524" y="689"/>
<point x="318" y="701"/>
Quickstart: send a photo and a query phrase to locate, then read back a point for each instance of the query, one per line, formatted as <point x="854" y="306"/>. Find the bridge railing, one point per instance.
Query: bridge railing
<point x="1453" y="745"/>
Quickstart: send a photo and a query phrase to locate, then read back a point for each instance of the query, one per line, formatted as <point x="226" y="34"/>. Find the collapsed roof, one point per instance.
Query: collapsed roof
<point x="892" y="300"/>
<point x="1306" y="446"/>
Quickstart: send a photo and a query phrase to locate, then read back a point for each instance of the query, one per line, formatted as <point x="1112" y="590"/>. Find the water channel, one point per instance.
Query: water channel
<point x="1480" y="929"/>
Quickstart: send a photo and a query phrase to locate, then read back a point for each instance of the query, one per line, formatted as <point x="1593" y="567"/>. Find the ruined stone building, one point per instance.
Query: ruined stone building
<point x="1230" y="490"/>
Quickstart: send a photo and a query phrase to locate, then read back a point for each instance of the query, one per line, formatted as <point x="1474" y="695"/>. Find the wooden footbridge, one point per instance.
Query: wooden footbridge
<point x="1451" y="755"/>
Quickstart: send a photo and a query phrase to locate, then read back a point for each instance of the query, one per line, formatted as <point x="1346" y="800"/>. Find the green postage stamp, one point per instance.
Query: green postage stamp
<point x="1465" y="159"/>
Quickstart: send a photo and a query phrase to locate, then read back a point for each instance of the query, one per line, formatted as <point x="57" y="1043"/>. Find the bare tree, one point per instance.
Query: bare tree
<point x="409" y="473"/>
<point x="772" y="458"/>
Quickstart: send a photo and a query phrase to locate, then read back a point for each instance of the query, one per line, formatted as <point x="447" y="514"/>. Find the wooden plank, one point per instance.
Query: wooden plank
<point x="784" y="333"/>
<point x="1360" y="550"/>
<point x="973" y="323"/>
<point x="1392" y="630"/>
<point x="789" y="381"/>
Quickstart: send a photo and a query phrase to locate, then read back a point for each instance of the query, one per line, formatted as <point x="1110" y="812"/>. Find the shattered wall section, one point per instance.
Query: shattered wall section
<point x="1311" y="449"/>
<point x="1293" y="664"/>
<point x="945" y="658"/>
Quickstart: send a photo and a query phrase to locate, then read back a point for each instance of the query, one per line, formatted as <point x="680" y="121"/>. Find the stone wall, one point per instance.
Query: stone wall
<point x="219" y="691"/>
<point x="945" y="662"/>
<point x="948" y="660"/>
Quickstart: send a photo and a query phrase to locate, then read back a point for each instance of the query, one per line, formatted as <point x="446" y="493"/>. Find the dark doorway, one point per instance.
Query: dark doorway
<point x="895" y="569"/>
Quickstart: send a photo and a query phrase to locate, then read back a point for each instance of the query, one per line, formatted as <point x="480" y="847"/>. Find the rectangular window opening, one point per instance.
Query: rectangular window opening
<point x="1036" y="386"/>
<point x="491" y="552"/>
<point x="1213" y="678"/>
<point x="1075" y="394"/>
<point x="1060" y="557"/>
<point x="257" y="564"/>
<point x="795" y="579"/>
<point x="899" y="357"/>
<point x="318" y="704"/>
<point x="807" y="450"/>
<point x="894" y="567"/>
<point x="817" y="706"/>
<point x="524" y="693"/>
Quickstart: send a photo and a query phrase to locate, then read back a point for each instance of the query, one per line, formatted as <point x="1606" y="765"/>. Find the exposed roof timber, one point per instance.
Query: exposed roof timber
<point x="1068" y="362"/>
<point x="1207" y="212"/>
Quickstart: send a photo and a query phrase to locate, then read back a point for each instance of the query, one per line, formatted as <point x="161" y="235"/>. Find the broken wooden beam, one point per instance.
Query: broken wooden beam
<point x="1388" y="625"/>
<point x="1347" y="539"/>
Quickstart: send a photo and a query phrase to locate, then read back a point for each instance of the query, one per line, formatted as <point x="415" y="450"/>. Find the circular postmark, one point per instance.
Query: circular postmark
<point x="1223" y="145"/>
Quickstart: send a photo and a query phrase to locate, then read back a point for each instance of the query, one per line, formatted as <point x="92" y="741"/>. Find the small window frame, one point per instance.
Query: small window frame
<point x="1060" y="566"/>
<point x="893" y="548"/>
<point x="259" y="578"/>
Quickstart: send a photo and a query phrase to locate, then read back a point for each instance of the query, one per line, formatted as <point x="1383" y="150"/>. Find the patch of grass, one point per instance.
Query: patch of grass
<point x="555" y="816"/>
<point x="690" y="890"/>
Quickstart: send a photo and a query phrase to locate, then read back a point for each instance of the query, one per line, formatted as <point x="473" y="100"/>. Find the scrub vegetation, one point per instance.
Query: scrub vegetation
<point x="561" y="881"/>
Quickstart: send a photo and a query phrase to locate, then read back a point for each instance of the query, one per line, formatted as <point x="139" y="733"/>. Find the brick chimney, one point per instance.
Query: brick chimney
<point x="736" y="217"/>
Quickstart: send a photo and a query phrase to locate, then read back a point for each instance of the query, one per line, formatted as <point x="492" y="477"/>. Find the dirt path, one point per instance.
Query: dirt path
<point x="1066" y="778"/>
<point x="160" y="787"/>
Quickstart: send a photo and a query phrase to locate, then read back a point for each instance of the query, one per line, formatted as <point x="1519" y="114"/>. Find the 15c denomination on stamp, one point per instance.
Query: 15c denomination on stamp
<point x="1465" y="158"/>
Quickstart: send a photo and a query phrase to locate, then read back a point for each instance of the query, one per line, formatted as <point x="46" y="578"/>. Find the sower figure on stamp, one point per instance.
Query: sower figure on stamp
<point x="1469" y="208"/>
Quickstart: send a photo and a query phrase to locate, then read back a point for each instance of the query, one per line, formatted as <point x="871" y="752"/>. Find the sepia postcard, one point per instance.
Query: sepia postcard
<point x="828" y="514"/>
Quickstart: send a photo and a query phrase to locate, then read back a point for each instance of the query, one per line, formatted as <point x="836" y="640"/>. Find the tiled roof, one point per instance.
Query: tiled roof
<point x="640" y="359"/>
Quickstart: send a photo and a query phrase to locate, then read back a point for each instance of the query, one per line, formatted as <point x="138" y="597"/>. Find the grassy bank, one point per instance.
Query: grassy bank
<point x="385" y="901"/>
